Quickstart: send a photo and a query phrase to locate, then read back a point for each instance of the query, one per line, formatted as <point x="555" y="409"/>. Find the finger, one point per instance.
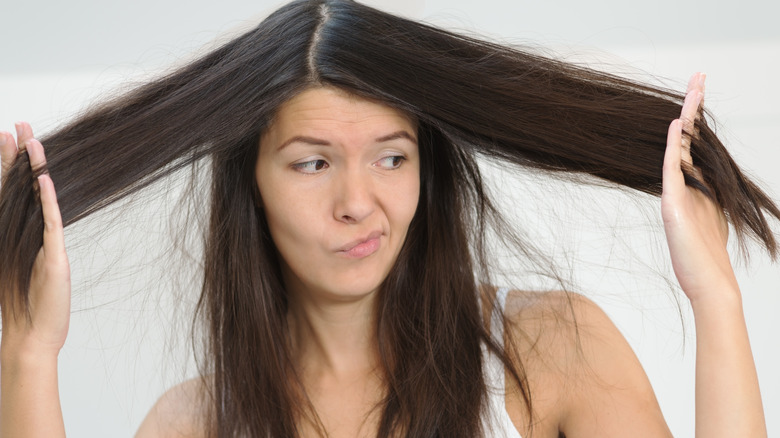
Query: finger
<point x="36" y="154"/>
<point x="53" y="234"/>
<point x="696" y="83"/>
<point x="693" y="82"/>
<point x="687" y="117"/>
<point x="7" y="152"/>
<point x="701" y="84"/>
<point x="673" y="178"/>
<point x="701" y="79"/>
<point x="24" y="133"/>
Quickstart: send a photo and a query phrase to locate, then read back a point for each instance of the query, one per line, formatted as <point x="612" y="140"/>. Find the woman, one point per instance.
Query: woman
<point x="375" y="122"/>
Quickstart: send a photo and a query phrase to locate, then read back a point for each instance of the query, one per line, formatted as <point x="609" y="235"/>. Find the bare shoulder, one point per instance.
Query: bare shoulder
<point x="585" y="379"/>
<point x="180" y="412"/>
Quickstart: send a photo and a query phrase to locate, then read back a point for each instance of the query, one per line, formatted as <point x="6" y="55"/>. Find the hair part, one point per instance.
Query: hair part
<point x="314" y="77"/>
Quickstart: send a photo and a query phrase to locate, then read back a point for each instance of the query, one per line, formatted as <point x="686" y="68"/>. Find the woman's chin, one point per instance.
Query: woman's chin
<point x="335" y="291"/>
<point x="350" y="293"/>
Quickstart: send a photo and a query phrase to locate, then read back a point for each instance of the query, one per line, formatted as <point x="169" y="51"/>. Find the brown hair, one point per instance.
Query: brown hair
<point x="472" y="99"/>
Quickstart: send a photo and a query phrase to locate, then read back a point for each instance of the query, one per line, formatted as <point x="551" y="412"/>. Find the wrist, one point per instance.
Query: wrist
<point x="16" y="356"/>
<point x="718" y="300"/>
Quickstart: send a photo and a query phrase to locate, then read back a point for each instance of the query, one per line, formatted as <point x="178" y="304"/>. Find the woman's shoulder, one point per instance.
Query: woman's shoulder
<point x="567" y="322"/>
<point x="582" y="373"/>
<point x="554" y="316"/>
<point x="182" y="411"/>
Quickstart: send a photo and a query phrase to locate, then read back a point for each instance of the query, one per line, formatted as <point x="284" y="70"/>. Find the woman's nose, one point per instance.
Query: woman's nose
<point x="355" y="199"/>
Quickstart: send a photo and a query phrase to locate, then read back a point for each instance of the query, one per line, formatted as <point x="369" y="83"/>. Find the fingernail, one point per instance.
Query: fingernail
<point x="19" y="128"/>
<point x="3" y="139"/>
<point x="702" y="78"/>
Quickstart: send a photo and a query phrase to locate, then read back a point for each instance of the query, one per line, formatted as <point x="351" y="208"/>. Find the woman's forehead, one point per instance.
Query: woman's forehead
<point x="331" y="111"/>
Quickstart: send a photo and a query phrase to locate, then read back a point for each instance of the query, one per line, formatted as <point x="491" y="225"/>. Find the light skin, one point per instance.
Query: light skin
<point x="333" y="171"/>
<point x="316" y="209"/>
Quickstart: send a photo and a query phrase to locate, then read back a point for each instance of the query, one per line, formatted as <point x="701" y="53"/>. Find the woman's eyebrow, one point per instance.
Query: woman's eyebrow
<point x="320" y="142"/>
<point x="396" y="135"/>
<point x="304" y="139"/>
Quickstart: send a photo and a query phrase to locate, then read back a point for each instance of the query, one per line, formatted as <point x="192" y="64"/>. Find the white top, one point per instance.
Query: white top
<point x="497" y="424"/>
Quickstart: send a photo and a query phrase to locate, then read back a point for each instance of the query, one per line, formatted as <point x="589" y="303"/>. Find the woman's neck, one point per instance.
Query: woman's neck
<point x="334" y="338"/>
<point x="334" y="352"/>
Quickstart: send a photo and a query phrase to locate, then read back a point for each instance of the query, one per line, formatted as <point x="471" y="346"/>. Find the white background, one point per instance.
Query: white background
<point x="128" y="336"/>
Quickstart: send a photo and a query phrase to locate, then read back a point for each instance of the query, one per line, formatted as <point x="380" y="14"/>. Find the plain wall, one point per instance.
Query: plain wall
<point x="128" y="336"/>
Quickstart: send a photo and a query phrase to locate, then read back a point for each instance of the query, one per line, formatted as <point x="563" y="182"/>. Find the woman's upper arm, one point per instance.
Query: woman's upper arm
<point x="179" y="413"/>
<point x="602" y="389"/>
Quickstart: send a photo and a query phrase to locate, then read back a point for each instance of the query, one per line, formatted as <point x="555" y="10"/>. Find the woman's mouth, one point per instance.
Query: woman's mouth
<point x="363" y="247"/>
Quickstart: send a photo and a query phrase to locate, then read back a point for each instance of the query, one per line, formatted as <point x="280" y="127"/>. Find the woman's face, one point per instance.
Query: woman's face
<point x="339" y="178"/>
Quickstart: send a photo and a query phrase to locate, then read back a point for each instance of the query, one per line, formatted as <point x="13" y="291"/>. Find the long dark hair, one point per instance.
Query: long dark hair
<point x="471" y="98"/>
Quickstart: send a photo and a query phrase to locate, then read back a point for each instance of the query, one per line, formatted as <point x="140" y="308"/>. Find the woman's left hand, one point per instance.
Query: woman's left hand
<point x="696" y="228"/>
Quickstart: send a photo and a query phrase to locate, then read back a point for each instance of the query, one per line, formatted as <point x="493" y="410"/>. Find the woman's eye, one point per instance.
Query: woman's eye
<point x="393" y="162"/>
<point x="312" y="166"/>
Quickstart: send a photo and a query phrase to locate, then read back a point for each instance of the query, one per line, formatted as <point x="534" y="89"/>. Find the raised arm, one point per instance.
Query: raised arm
<point x="29" y="403"/>
<point x="598" y="387"/>
<point x="728" y="400"/>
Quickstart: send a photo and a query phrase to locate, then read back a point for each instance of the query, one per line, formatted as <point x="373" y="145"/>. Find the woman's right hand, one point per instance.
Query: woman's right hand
<point x="30" y="403"/>
<point x="45" y="331"/>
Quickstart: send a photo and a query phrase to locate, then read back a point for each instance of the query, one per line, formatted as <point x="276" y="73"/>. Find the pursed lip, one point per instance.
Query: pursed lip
<point x="356" y="242"/>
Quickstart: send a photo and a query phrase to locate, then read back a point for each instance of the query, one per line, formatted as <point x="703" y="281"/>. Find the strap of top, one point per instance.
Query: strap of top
<point x="498" y="424"/>
<point x="494" y="367"/>
<point x="496" y="319"/>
